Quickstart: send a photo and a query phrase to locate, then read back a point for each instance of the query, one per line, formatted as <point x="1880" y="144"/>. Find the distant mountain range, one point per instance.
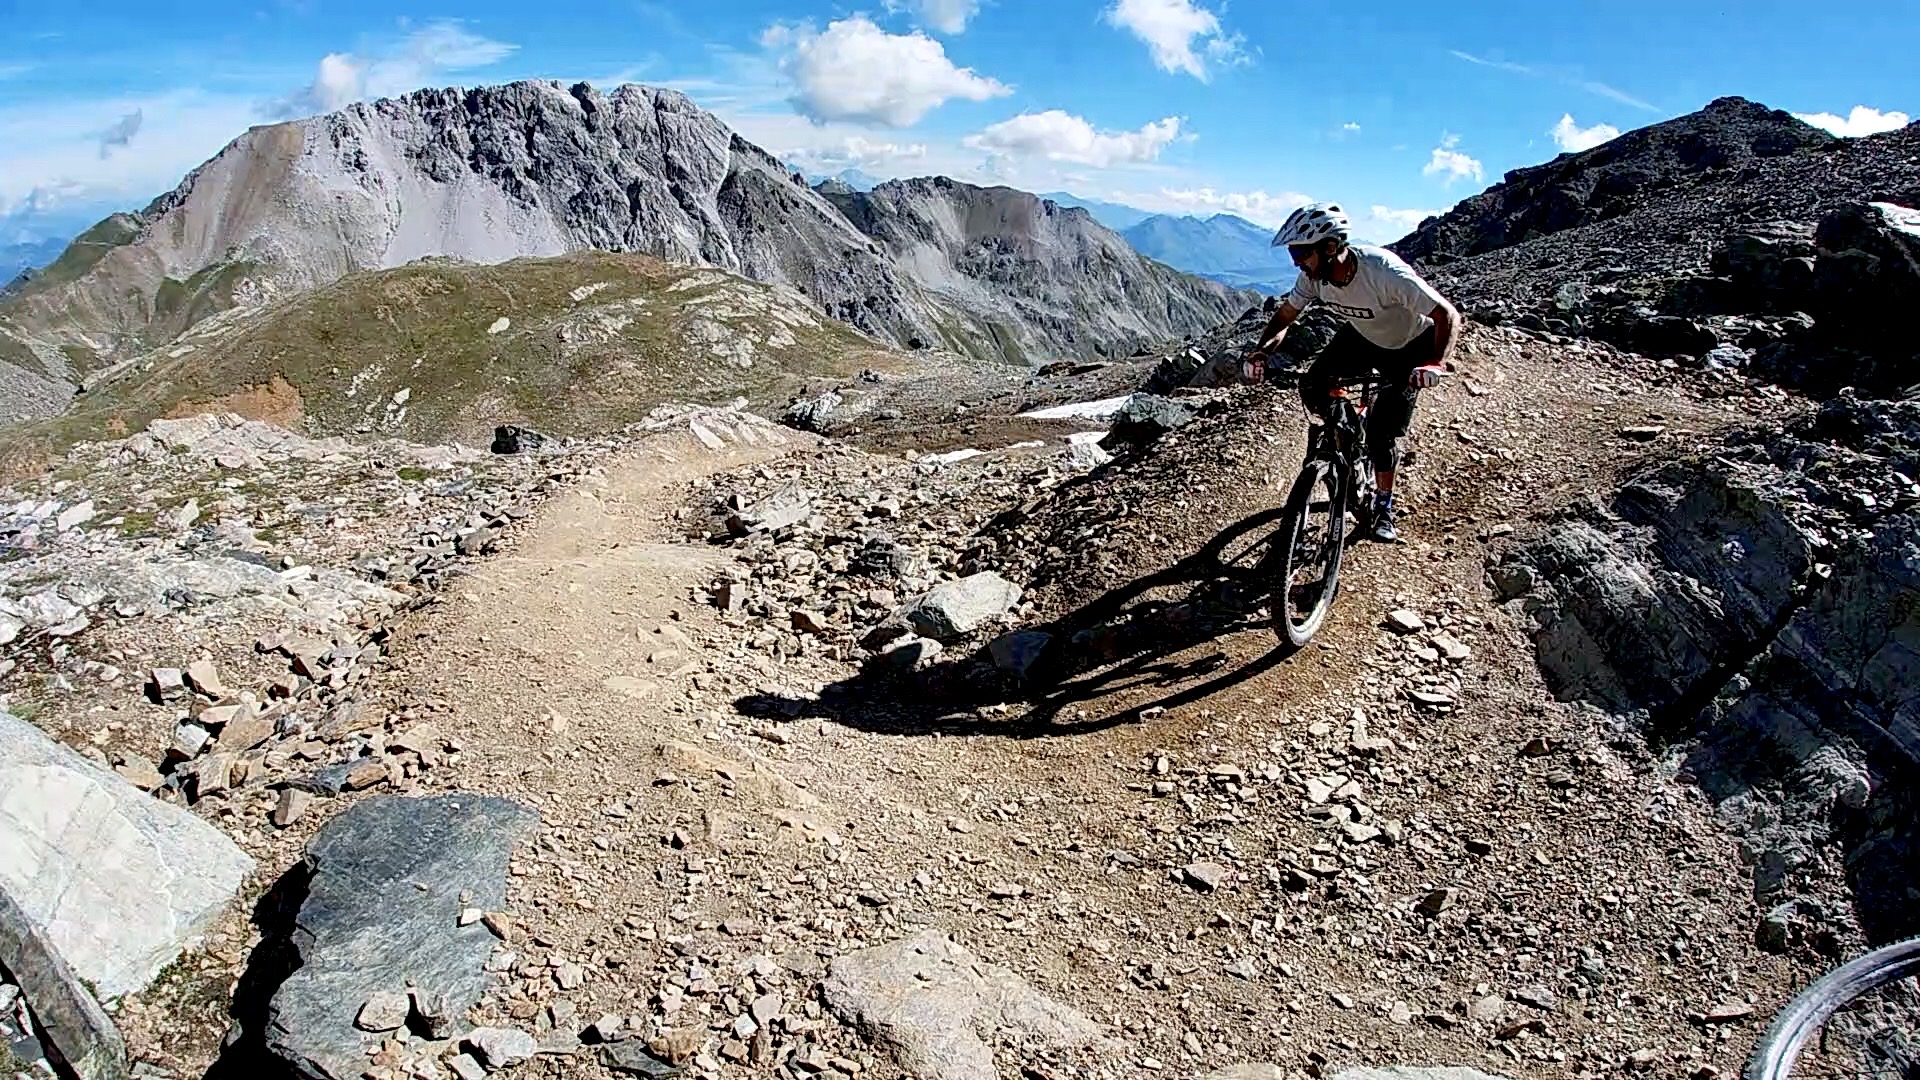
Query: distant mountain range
<point x="17" y="258"/>
<point x="1225" y="248"/>
<point x="853" y="178"/>
<point x="1113" y="215"/>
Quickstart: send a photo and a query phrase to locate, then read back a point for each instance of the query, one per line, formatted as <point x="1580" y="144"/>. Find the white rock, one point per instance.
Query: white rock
<point x="500" y="325"/>
<point x="119" y="882"/>
<point x="78" y="514"/>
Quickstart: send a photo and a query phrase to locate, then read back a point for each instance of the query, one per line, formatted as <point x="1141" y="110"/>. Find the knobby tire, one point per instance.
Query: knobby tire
<point x="1299" y="511"/>
<point x="1807" y="1014"/>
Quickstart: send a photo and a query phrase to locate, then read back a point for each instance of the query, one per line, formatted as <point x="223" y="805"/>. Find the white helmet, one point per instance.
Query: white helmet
<point x="1313" y="223"/>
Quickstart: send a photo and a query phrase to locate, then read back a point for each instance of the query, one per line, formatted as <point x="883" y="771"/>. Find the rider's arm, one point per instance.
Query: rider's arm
<point x="1276" y="328"/>
<point x="1446" y="322"/>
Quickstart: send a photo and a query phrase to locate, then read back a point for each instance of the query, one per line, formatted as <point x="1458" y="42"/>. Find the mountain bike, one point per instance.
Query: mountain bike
<point x="1866" y="1014"/>
<point x="1336" y="480"/>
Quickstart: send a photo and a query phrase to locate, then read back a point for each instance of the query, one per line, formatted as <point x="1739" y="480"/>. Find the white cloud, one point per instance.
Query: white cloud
<point x="859" y="72"/>
<point x="1171" y="28"/>
<point x="1259" y="207"/>
<point x="854" y="152"/>
<point x="1570" y="136"/>
<point x="410" y="64"/>
<point x="1059" y="136"/>
<point x="1451" y="163"/>
<point x="1350" y="126"/>
<point x="1863" y="120"/>
<point x="945" y="16"/>
<point x="1384" y="224"/>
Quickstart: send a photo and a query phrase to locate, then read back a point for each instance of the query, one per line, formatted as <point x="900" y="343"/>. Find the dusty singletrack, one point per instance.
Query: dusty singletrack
<point x="1497" y="880"/>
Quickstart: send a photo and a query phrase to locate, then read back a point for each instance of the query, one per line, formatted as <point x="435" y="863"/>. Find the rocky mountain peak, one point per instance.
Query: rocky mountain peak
<point x="1729" y="135"/>
<point x="535" y="168"/>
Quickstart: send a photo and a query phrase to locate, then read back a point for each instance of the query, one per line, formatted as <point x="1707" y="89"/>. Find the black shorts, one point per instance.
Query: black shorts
<point x="1349" y="356"/>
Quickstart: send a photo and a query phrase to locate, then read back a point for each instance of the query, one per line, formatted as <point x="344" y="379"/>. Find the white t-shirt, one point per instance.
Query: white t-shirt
<point x="1386" y="301"/>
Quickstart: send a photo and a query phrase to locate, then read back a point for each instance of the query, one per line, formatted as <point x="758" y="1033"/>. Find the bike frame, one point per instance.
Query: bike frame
<point x="1342" y="438"/>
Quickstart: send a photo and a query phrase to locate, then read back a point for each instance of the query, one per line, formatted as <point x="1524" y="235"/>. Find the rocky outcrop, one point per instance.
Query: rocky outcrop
<point x="118" y="883"/>
<point x="1729" y="238"/>
<point x="1757" y="608"/>
<point x="1613" y="179"/>
<point x="1032" y="280"/>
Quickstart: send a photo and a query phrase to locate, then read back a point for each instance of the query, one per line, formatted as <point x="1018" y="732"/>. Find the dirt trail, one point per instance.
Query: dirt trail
<point x="1594" y="907"/>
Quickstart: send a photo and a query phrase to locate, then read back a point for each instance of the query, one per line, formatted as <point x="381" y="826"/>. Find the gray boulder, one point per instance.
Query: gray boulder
<point x="940" y="1009"/>
<point x="1145" y="418"/>
<point x="782" y="509"/>
<point x="389" y="879"/>
<point x="954" y="609"/>
<point x="117" y="882"/>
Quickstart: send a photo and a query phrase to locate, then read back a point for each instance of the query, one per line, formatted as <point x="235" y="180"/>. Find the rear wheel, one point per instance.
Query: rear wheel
<point x="1308" y="546"/>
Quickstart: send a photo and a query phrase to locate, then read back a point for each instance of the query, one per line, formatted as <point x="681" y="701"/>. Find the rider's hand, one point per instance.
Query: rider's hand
<point x="1427" y="376"/>
<point x="1253" y="367"/>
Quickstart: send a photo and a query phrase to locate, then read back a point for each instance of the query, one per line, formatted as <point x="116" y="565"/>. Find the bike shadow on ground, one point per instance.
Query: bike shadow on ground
<point x="1127" y="640"/>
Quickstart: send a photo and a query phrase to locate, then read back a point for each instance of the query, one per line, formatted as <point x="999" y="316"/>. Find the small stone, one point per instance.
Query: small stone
<point x="433" y="1013"/>
<point x="1359" y="833"/>
<point x="366" y="774"/>
<point x="140" y="773"/>
<point x="1244" y="968"/>
<point x="607" y="1028"/>
<point x="808" y="622"/>
<point x="167" y="686"/>
<point x="767" y="1008"/>
<point x="188" y="741"/>
<point x="466" y="1068"/>
<point x="1406" y="621"/>
<point x="1642" y="1059"/>
<point x="570" y="976"/>
<point x="1536" y="747"/>
<point x="497" y="1048"/>
<point x="1643" y="433"/>
<point x="1727" y="1013"/>
<point x="1435" y="902"/>
<point x="385" y="1010"/>
<point x="205" y="678"/>
<point x="1205" y="876"/>
<point x="1005" y="891"/>
<point x="500" y="924"/>
<point x="1538" y="997"/>
<point x="291" y="807"/>
<point x="1487" y="1009"/>
<point x="677" y="1045"/>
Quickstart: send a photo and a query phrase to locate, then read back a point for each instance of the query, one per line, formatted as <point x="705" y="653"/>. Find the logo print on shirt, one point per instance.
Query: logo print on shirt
<point x="1351" y="312"/>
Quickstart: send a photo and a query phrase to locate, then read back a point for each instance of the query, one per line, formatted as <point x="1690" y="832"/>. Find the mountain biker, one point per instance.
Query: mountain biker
<point x="1393" y="322"/>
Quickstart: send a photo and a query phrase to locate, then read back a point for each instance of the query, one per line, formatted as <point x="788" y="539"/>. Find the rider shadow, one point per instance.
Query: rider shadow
<point x="1122" y="641"/>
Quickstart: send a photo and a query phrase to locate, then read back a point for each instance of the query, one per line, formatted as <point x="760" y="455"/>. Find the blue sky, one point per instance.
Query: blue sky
<point x="1195" y="106"/>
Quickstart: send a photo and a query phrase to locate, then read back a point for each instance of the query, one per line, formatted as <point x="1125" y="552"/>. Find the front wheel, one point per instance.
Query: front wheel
<point x="1850" y="1022"/>
<point x="1310" y="541"/>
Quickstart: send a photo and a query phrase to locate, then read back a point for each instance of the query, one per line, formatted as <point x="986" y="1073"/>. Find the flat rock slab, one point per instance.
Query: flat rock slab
<point x="117" y="882"/>
<point x="1412" y="1073"/>
<point x="939" y="1007"/>
<point x="383" y="908"/>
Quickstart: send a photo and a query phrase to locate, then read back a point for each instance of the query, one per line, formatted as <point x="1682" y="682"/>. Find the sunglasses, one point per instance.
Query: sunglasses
<point x="1301" y="253"/>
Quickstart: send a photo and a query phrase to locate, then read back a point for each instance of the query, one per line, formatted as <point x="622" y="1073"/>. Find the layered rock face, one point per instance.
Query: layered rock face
<point x="1759" y="611"/>
<point x="1013" y="273"/>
